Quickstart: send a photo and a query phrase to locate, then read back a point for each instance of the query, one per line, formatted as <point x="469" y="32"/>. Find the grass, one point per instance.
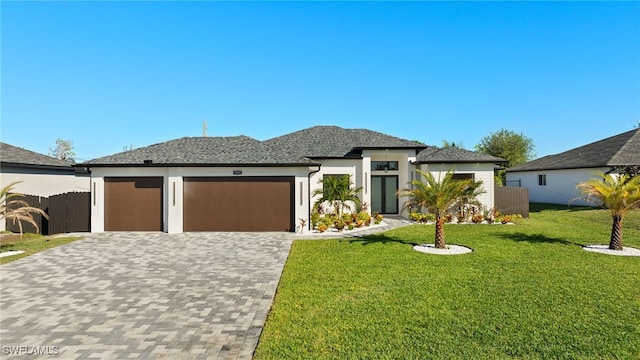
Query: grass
<point x="527" y="291"/>
<point x="30" y="244"/>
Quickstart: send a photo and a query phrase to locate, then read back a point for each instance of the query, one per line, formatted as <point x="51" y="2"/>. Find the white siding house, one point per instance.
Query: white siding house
<point x="553" y="179"/>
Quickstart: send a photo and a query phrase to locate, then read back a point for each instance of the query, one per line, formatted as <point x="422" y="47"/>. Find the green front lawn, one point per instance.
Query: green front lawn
<point x="30" y="243"/>
<point x="527" y="291"/>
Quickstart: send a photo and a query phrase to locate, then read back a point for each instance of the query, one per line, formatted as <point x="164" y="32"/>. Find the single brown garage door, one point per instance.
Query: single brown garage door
<point x="238" y="204"/>
<point x="133" y="204"/>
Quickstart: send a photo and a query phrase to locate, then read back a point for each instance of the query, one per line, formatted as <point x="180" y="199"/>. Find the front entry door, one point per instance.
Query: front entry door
<point x="383" y="194"/>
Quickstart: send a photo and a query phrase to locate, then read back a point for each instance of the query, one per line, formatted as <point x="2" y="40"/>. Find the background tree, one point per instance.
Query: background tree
<point x="509" y="145"/>
<point x="14" y="208"/>
<point x="63" y="151"/>
<point x="446" y="144"/>
<point x="437" y="197"/>
<point x="618" y="194"/>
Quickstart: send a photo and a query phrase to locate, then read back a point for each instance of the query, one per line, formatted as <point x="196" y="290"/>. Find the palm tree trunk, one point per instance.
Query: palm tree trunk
<point x="616" y="233"/>
<point x="440" y="244"/>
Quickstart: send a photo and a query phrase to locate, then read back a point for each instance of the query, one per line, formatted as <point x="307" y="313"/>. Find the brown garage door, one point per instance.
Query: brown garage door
<point x="238" y="204"/>
<point x="133" y="204"/>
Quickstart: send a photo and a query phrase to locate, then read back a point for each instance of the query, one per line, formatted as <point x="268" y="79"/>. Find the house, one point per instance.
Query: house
<point x="39" y="174"/>
<point x="553" y="179"/>
<point x="242" y="184"/>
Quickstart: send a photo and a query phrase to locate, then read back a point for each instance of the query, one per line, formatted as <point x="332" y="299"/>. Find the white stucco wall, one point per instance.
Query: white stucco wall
<point x="360" y="170"/>
<point x="352" y="167"/>
<point x="45" y="184"/>
<point x="481" y="171"/>
<point x="560" y="187"/>
<point x="404" y="172"/>
<point x="173" y="189"/>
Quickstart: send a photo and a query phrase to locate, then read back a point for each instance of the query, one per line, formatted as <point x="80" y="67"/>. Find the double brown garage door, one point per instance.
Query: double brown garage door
<point x="210" y="204"/>
<point x="238" y="204"/>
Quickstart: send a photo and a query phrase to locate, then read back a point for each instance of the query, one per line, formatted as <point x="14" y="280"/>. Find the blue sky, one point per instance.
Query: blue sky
<point x="106" y="75"/>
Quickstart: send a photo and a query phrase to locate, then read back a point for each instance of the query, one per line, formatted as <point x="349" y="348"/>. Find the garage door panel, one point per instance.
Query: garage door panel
<point x="133" y="204"/>
<point x="238" y="204"/>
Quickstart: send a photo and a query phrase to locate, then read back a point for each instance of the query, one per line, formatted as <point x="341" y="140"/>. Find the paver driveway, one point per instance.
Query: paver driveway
<point x="143" y="295"/>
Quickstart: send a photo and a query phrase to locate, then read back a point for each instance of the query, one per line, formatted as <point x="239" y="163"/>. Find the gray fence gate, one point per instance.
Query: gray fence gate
<point x="512" y="200"/>
<point x="69" y="212"/>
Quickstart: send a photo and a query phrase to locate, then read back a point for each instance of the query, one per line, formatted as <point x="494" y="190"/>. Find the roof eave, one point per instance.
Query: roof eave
<point x="37" y="166"/>
<point x="559" y="168"/>
<point x="164" y="165"/>
<point x="418" y="162"/>
<point x="419" y="148"/>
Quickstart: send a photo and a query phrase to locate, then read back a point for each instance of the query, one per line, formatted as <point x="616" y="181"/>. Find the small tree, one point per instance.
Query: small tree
<point x="63" y="151"/>
<point x="14" y="208"/>
<point x="513" y="147"/>
<point x="470" y="196"/>
<point x="337" y="190"/>
<point x="619" y="194"/>
<point x="437" y="196"/>
<point x="446" y="144"/>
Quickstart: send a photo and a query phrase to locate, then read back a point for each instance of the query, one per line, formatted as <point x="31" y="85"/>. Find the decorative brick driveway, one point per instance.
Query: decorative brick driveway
<point x="143" y="295"/>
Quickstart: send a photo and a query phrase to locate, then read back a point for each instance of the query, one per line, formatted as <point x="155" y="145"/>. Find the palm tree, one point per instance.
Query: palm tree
<point x="437" y="197"/>
<point x="470" y="196"/>
<point x="619" y="194"/>
<point x="337" y="190"/>
<point x="14" y="208"/>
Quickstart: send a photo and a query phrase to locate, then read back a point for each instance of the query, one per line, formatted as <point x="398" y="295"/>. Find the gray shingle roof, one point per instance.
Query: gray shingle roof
<point x="454" y="155"/>
<point x="297" y="148"/>
<point x="618" y="150"/>
<point x="237" y="150"/>
<point x="337" y="142"/>
<point x="15" y="155"/>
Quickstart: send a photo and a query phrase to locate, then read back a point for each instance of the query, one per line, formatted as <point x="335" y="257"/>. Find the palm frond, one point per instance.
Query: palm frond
<point x="14" y="208"/>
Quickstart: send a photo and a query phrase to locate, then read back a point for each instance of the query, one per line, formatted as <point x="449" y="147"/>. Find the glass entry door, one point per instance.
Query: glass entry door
<point x="383" y="194"/>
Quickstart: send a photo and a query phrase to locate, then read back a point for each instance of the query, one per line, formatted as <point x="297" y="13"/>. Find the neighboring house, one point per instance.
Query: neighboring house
<point x="242" y="184"/>
<point x="553" y="179"/>
<point x="39" y="174"/>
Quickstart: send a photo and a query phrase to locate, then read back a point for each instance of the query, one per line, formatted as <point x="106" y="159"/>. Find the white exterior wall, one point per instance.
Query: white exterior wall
<point x="404" y="172"/>
<point x="360" y="170"/>
<point x="45" y="184"/>
<point x="481" y="171"/>
<point x="173" y="189"/>
<point x="560" y="188"/>
<point x="351" y="167"/>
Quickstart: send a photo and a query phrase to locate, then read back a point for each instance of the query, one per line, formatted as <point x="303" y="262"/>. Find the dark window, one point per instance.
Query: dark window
<point x="542" y="180"/>
<point x="463" y="176"/>
<point x="384" y="165"/>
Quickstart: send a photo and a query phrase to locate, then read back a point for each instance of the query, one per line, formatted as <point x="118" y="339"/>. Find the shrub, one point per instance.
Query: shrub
<point x="448" y="218"/>
<point x="315" y="219"/>
<point x="505" y="219"/>
<point x="516" y="218"/>
<point x="477" y="218"/>
<point x="364" y="217"/>
<point x="377" y="217"/>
